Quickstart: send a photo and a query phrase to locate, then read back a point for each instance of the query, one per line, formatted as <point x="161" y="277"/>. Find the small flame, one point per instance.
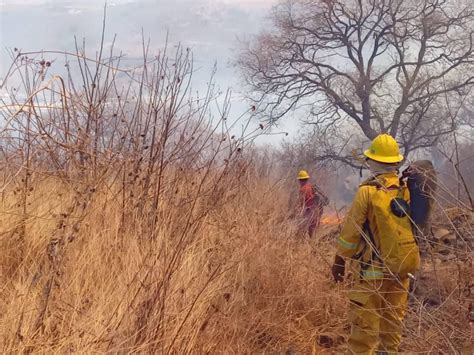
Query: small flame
<point x="330" y="219"/>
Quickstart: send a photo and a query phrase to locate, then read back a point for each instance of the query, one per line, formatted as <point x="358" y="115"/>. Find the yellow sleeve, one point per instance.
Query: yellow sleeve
<point x="350" y="236"/>
<point x="406" y="194"/>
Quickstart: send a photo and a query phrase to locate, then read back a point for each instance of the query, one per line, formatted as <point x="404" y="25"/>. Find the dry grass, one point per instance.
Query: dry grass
<point x="242" y="282"/>
<point x="133" y="222"/>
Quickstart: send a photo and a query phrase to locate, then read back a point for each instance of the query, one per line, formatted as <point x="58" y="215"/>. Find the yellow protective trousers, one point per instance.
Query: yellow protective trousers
<point x="377" y="309"/>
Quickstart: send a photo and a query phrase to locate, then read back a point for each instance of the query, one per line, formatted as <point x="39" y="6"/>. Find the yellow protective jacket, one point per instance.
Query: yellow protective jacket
<point x="351" y="240"/>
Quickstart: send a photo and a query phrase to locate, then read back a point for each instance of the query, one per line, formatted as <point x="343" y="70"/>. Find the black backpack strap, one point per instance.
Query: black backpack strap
<point x="373" y="255"/>
<point x="366" y="229"/>
<point x="361" y="253"/>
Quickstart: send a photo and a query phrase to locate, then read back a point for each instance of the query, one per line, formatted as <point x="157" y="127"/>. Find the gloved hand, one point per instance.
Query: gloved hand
<point x="338" y="269"/>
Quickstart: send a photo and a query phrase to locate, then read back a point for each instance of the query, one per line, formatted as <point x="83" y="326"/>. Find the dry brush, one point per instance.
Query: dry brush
<point x="134" y="221"/>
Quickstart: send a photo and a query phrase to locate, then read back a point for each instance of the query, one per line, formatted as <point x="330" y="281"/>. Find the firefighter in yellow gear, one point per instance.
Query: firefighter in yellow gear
<point x="378" y="297"/>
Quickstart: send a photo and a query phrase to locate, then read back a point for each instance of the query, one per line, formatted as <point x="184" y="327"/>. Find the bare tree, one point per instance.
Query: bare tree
<point x="361" y="67"/>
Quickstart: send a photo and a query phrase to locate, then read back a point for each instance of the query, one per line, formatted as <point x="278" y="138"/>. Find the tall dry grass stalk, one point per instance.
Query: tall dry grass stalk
<point x="132" y="221"/>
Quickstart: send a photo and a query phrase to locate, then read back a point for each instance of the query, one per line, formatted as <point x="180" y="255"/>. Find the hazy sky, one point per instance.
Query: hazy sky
<point x="210" y="27"/>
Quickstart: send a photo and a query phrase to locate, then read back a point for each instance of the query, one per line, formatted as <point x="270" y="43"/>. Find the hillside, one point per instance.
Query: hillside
<point x="223" y="270"/>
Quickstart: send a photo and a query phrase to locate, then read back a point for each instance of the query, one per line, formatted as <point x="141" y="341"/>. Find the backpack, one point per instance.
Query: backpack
<point x="320" y="198"/>
<point x="397" y="248"/>
<point x="421" y="181"/>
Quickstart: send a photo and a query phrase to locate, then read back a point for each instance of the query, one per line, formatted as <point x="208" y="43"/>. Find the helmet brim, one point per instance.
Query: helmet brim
<point x="381" y="159"/>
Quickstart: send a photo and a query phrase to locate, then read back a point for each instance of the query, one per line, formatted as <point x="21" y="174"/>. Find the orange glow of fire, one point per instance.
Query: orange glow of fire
<point x="330" y="219"/>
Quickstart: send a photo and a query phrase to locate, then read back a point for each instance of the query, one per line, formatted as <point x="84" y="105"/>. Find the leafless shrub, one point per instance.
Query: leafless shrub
<point x="134" y="138"/>
<point x="133" y="221"/>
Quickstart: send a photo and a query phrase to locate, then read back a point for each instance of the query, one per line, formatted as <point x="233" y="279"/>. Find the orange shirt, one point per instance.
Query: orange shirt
<point x="308" y="195"/>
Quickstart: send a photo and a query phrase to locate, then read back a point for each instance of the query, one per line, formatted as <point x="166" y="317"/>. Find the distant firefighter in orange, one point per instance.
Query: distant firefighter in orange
<point x="312" y="203"/>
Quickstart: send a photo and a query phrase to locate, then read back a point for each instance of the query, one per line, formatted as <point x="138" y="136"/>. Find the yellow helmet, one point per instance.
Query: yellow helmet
<point x="303" y="175"/>
<point x="384" y="149"/>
